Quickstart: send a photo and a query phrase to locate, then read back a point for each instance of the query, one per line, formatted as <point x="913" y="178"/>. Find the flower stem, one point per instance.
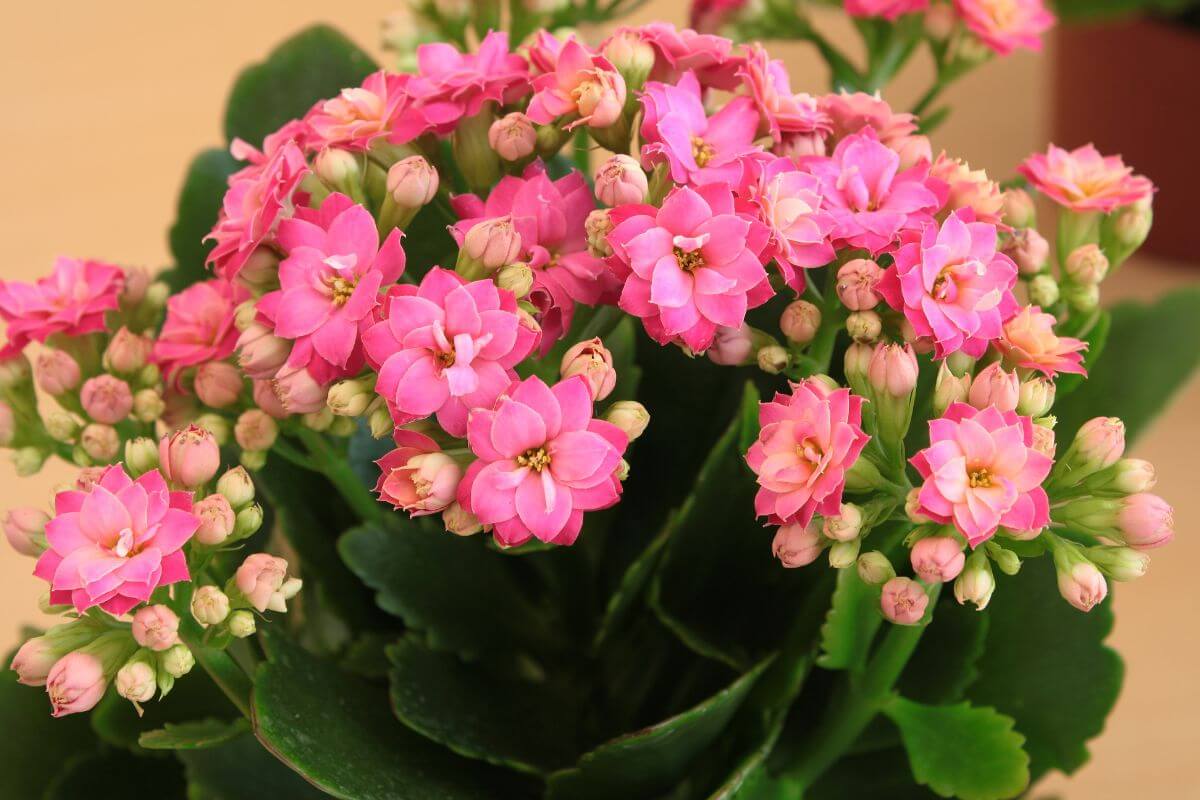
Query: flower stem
<point x="335" y="467"/>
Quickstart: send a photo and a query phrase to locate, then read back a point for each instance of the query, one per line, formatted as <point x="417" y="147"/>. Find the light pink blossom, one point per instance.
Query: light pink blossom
<point x="71" y="301"/>
<point x="451" y="85"/>
<point x="417" y="476"/>
<point x="199" y="327"/>
<point x="76" y="683"/>
<point x="582" y="83"/>
<point x="379" y="108"/>
<point x="678" y="51"/>
<point x="788" y="202"/>
<point x="783" y="112"/>
<point x="259" y="578"/>
<point x="1084" y="180"/>
<point x="1005" y="25"/>
<point x="1028" y="341"/>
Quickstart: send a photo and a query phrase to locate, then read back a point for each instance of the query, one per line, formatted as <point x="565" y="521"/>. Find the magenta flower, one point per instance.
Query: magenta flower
<point x="1083" y="180"/>
<point x="870" y="200"/>
<point x="112" y="545"/>
<point x="199" y="327"/>
<point x="450" y="85"/>
<point x="783" y="112"/>
<point x="582" y="83"/>
<point x="888" y="9"/>
<point x="808" y="439"/>
<point x="71" y="301"/>
<point x="543" y="462"/>
<point x="691" y="266"/>
<point x="446" y="347"/>
<point x="953" y="285"/>
<point x="789" y="203"/>
<point x="1029" y="341"/>
<point x="1005" y="25"/>
<point x="357" y="117"/>
<point x="417" y="476"/>
<point x="982" y="472"/>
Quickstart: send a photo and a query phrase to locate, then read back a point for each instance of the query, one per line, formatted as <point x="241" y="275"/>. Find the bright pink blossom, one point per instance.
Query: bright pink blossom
<point x="199" y="327"/>
<point x="789" y="203"/>
<point x="1083" y="180"/>
<point x="982" y="472"/>
<point x="583" y="83"/>
<point x="1005" y="25"/>
<point x="417" y="476"/>
<point x="1029" y="341"/>
<point x="783" y="111"/>
<point x="70" y="301"/>
<point x="888" y="9"/>
<point x="953" y="285"/>
<point x="379" y="108"/>
<point x="446" y="347"/>
<point x="543" y="462"/>
<point x="113" y="545"/>
<point x="451" y="85"/>
<point x="678" y="51"/>
<point x="808" y="439"/>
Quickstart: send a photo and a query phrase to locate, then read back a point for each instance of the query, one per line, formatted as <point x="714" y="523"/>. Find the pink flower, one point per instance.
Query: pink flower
<point x="807" y="441"/>
<point x="1028" y="341"/>
<point x="937" y="559"/>
<point x="198" y="327"/>
<point x="106" y="399"/>
<point x="888" y="9"/>
<point x="357" y="117"/>
<point x="691" y="266"/>
<point x="156" y="627"/>
<point x="417" y="476"/>
<point x="968" y="188"/>
<point x="796" y="545"/>
<point x="783" y="112"/>
<point x="450" y="85"/>
<point x="953" y="286"/>
<point x="981" y="472"/>
<point x="113" y="545"/>
<point x="71" y="301"/>
<point x="543" y="462"/>
<point x="870" y="200"/>
<point x="331" y="278"/>
<point x="582" y="83"/>
<point x="851" y="112"/>
<point x="903" y="601"/>
<point x="678" y="51"/>
<point x="677" y="131"/>
<point x="76" y="683"/>
<point x="189" y="457"/>
<point x="789" y="203"/>
<point x="1005" y="25"/>
<point x="1083" y="180"/>
<point x="446" y="347"/>
<point x="260" y="578"/>
<point x="995" y="387"/>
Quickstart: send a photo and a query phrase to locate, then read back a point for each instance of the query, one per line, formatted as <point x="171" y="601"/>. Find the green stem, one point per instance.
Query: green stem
<point x="335" y="467"/>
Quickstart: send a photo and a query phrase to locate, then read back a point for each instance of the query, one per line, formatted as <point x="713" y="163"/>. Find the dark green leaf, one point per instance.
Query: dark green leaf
<point x="242" y="769"/>
<point x="195" y="214"/>
<point x="36" y="745"/>
<point x="882" y="774"/>
<point x="195" y="735"/>
<point x="622" y="601"/>
<point x="943" y="665"/>
<point x="851" y="623"/>
<point x="113" y="775"/>
<point x="428" y="243"/>
<point x="962" y="751"/>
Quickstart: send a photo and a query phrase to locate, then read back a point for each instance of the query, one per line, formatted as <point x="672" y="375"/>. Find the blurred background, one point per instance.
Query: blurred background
<point x="108" y="103"/>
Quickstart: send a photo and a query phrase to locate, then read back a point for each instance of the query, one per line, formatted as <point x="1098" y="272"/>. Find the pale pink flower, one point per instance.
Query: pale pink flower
<point x="217" y="518"/>
<point x="993" y="386"/>
<point x="796" y="545"/>
<point x="189" y="457"/>
<point x="808" y="439"/>
<point x="582" y="83"/>
<point x="691" y="266"/>
<point x="1084" y="180"/>
<point x="71" y="301"/>
<point x="446" y="347"/>
<point x="678" y="51"/>
<point x="953" y="286"/>
<point x="857" y="280"/>
<point x="260" y="578"/>
<point x="888" y="9"/>
<point x="903" y="601"/>
<point x="783" y="112"/>
<point x="417" y="476"/>
<point x="851" y="112"/>
<point x="1005" y="25"/>
<point x="1029" y="341"/>
<point x="450" y="85"/>
<point x="543" y="462"/>
<point x="156" y="627"/>
<point x="353" y="120"/>
<point x="982" y="472"/>
<point x="113" y="545"/>
<point x="199" y="327"/>
<point x="412" y="182"/>
<point x="788" y="202"/>
<point x="76" y="683"/>
<point x="513" y="136"/>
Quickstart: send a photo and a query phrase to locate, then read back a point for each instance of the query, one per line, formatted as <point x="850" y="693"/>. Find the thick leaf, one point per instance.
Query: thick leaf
<point x="194" y="697"/>
<point x="242" y="769"/>
<point x="314" y="64"/>
<point x="195" y="214"/>
<point x="944" y="664"/>
<point x="1046" y="666"/>
<point x="196" y="735"/>
<point x="113" y="775"/>
<point x="338" y="732"/>
<point x="480" y="714"/>
<point x="1149" y="356"/>
<point x="962" y="751"/>
<point x="464" y="597"/>
<point x="649" y="761"/>
<point x="622" y="601"/>
<point x="882" y="774"/>
<point x="36" y="745"/>
<point x="851" y="623"/>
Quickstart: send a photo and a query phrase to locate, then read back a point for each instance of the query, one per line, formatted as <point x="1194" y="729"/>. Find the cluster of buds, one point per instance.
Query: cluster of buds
<point x="260" y="584"/>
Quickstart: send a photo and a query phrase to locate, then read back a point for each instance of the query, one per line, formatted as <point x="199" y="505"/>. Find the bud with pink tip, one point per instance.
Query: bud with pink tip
<point x="1087" y="265"/>
<point x="632" y="55"/>
<point x="976" y="583"/>
<point x="156" y="627"/>
<point x="893" y="370"/>
<point x="490" y="244"/>
<point x="874" y="568"/>
<point x="1029" y="250"/>
<point x="236" y="487"/>
<point x="259" y="579"/>
<point x="630" y="416"/>
<point x="1099" y="443"/>
<point x="137" y="679"/>
<point x="189" y="457"/>
<point x="864" y="326"/>
<point x="592" y="360"/>
<point x="1019" y="210"/>
<point x="797" y="545"/>
<point x="210" y="606"/>
<point x="856" y="282"/>
<point x="937" y="559"/>
<point x="903" y="601"/>
<point x="621" y="181"/>
<point x="731" y="347"/>
<point x="1119" y="563"/>
<point x="298" y="391"/>
<point x="127" y="352"/>
<point x="106" y="399"/>
<point x="25" y="529"/>
<point x="35" y="658"/>
<point x="218" y="384"/>
<point x="77" y="681"/>
<point x="1036" y="398"/>
<point x="57" y="373"/>
<point x="1043" y="439"/>
<point x="459" y="521"/>
<point x="513" y="136"/>
<point x="597" y="226"/>
<point x="260" y="352"/>
<point x="100" y="443"/>
<point x="217" y="519"/>
<point x="1146" y="521"/>
<point x="1081" y="584"/>
<point x="341" y="169"/>
<point x="412" y="182"/>
<point x="800" y="321"/>
<point x="845" y="526"/>
<point x="995" y="387"/>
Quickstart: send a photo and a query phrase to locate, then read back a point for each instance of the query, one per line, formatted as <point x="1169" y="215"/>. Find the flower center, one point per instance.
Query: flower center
<point x="445" y="358"/>
<point x="536" y="458"/>
<point x="124" y="543"/>
<point x="944" y="287"/>
<point x="341" y="290"/>
<point x="979" y="478"/>
<point x="689" y="261"/>
<point x="810" y="451"/>
<point x="702" y="151"/>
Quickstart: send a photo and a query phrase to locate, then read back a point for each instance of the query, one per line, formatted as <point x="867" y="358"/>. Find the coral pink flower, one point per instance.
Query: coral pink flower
<point x="808" y="439"/>
<point x="888" y="9"/>
<point x="582" y="83"/>
<point x="331" y="278"/>
<point x="71" y="301"/>
<point x="953" y="286"/>
<point x="981" y="472"/>
<point x="691" y="266"/>
<point x="870" y="200"/>
<point x="198" y="327"/>
<point x="968" y="188"/>
<point x="357" y="117"/>
<point x="789" y="204"/>
<point x="851" y="112"/>
<point x="543" y="462"/>
<point x="1083" y="180"/>
<point x="678" y="51"/>
<point x="113" y="545"/>
<point x="1028" y="341"/>
<point x="417" y="476"/>
<point x="446" y="347"/>
<point x="678" y="132"/>
<point x="1005" y="25"/>
<point x="450" y="85"/>
<point x="783" y="112"/>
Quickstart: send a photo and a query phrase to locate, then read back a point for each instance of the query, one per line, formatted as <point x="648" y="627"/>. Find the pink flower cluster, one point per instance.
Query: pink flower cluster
<point x="71" y="301"/>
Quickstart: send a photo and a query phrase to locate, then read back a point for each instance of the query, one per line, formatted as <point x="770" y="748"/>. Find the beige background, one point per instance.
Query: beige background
<point x="107" y="102"/>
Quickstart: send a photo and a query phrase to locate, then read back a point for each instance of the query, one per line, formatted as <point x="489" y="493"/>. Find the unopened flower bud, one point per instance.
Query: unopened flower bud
<point x="874" y="569"/>
<point x="892" y="370"/>
<point x="141" y="455"/>
<point x="493" y="243"/>
<point x="57" y="373"/>
<point x="148" y="405"/>
<point x="630" y="416"/>
<point x="856" y="282"/>
<point x="975" y="584"/>
<point x="255" y="430"/>
<point x="796" y="545"/>
<point x="217" y="519"/>
<point x="1081" y="584"/>
<point x="844" y="554"/>
<point x="248" y="521"/>
<point x="381" y="422"/>
<point x="1126" y="476"/>
<point x="340" y="169"/>
<point x="260" y="352"/>
<point x="621" y="181"/>
<point x="949" y="389"/>
<point x="1043" y="438"/>
<point x="177" y="661"/>
<point x="936" y="559"/>
<point x="632" y="55"/>
<point x="126" y="352"/>
<point x="591" y="360"/>
<point x="1099" y="443"/>
<point x="995" y="387"/>
<point x="235" y="485"/>
<point x="101" y="443"/>
<point x="210" y="606"/>
<point x="137" y="680"/>
<point x="903" y="601"/>
<point x="1146" y="521"/>
<point x="459" y="521"/>
<point x="773" y="359"/>
<point x="1036" y="398"/>
<point x="25" y="529"/>
<point x="857" y="364"/>
<point x="1029" y="250"/>
<point x="513" y="136"/>
<point x="731" y="347"/>
<point x="1019" y="210"/>
<point x="800" y="321"/>
<point x="218" y="384"/>
<point x="106" y="399"/>
<point x="1119" y="563"/>
<point x="189" y="457"/>
<point x="241" y="624"/>
<point x="864" y="326"/>
<point x="218" y="426"/>
<point x="1081" y="297"/>
<point x="349" y="398"/>
<point x="864" y="476"/>
<point x="1087" y="264"/>
<point x="912" y="507"/>
<point x="845" y="526"/>
<point x="1043" y="291"/>
<point x="516" y="278"/>
<point x="155" y="627"/>
<point x="412" y="182"/>
<point x="37" y="656"/>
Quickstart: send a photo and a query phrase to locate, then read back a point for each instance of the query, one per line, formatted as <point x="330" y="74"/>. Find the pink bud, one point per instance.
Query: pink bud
<point x="1146" y="521"/>
<point x="25" y="530"/>
<point x="216" y="519"/>
<point x="731" y="346"/>
<point x="903" y="601"/>
<point x="1037" y="397"/>
<point x="1100" y="442"/>
<point x="1019" y="211"/>
<point x="126" y="352"/>
<point x="856" y="282"/>
<point x="796" y="545"/>
<point x="259" y="578"/>
<point x="218" y="384"/>
<point x="800" y="321"/>
<point x="57" y="373"/>
<point x="298" y="391"/>
<point x="189" y="457"/>
<point x="893" y="369"/>
<point x="597" y="226"/>
<point x="1043" y="440"/>
<point x="594" y="362"/>
<point x="621" y="181"/>
<point x="412" y="182"/>
<point x="937" y="559"/>
<point x="512" y="136"/>
<point x="1029" y="249"/>
<point x="75" y="683"/>
<point x="137" y="281"/>
<point x="100" y="442"/>
<point x="1082" y="585"/>
<point x="156" y="627"/>
<point x="426" y="483"/>
<point x="493" y="242"/>
<point x="255" y="430"/>
<point x="630" y="53"/>
<point x="106" y="399"/>
<point x="266" y="399"/>
<point x="1087" y="264"/>
<point x="260" y="352"/>
<point x="600" y="97"/>
<point x="995" y="387"/>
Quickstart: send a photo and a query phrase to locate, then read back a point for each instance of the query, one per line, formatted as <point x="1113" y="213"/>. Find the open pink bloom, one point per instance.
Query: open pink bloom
<point x="1028" y="341"/>
<point x="888" y="9"/>
<point x="417" y="476"/>
<point x="1005" y="25"/>
<point x="968" y="188"/>
<point x="677" y="131"/>
<point x="198" y="327"/>
<point x="332" y="275"/>
<point x="808" y="439"/>
<point x="451" y="85"/>
<point x="582" y="83"/>
<point x="1083" y="180"/>
<point x="543" y="462"/>
<point x="872" y="202"/>
<point x="550" y="217"/>
<point x="691" y="266"/>
<point x="71" y="301"/>
<point x="114" y="544"/>
<point x="953" y="285"/>
<point x="789" y="204"/>
<point x="783" y="112"/>
<point x="982" y="472"/>
<point x="851" y="112"/>
<point x="678" y="51"/>
<point x="358" y="116"/>
<point x="446" y="347"/>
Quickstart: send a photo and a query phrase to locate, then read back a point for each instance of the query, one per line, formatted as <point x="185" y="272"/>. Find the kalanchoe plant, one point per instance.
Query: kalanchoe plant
<point x="433" y="325"/>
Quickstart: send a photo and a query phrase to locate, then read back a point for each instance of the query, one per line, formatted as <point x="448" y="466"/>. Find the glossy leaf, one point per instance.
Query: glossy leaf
<point x="196" y="735"/>
<point x="113" y="775"/>
<point x="944" y="663"/>
<point x="851" y="623"/>
<point x="242" y="769"/>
